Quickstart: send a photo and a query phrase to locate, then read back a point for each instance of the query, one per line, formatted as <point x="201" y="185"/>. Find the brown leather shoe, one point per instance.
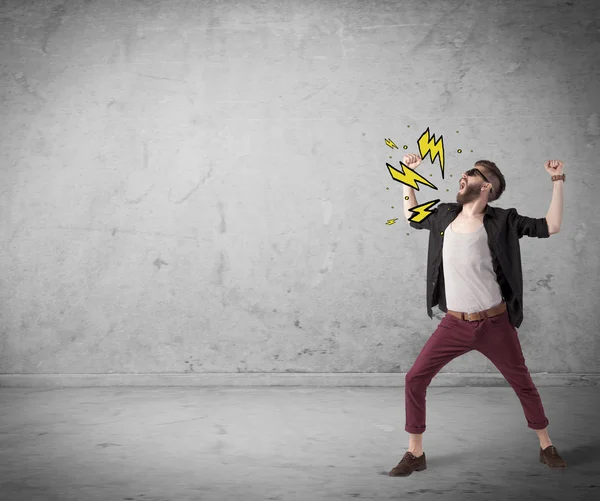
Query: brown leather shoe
<point x="550" y="457"/>
<point x="409" y="464"/>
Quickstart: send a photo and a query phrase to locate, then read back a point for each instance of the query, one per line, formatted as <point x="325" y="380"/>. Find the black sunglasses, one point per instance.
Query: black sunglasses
<point x="472" y="172"/>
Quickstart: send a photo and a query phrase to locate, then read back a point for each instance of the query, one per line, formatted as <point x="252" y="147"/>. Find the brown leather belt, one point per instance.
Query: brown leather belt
<point x="480" y="315"/>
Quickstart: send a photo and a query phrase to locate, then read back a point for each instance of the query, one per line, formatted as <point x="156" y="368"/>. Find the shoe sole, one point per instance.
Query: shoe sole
<point x="420" y="468"/>
<point x="553" y="467"/>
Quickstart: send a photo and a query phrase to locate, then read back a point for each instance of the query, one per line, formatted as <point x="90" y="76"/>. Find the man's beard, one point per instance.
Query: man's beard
<point x="470" y="194"/>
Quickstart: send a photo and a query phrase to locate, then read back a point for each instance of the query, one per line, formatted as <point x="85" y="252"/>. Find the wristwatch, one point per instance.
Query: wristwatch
<point x="559" y="177"/>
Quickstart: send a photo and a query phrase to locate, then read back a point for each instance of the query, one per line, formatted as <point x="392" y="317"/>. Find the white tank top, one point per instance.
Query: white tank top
<point x="471" y="283"/>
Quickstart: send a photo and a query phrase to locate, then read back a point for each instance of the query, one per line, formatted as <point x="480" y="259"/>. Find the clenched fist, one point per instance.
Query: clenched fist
<point x="554" y="167"/>
<point x="411" y="160"/>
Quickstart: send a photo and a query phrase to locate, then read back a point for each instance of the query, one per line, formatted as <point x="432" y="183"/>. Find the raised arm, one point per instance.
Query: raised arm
<point x="413" y="161"/>
<point x="410" y="203"/>
<point x="554" y="215"/>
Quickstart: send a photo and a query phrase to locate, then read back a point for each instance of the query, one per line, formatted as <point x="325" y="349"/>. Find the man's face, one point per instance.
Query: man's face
<point x="469" y="188"/>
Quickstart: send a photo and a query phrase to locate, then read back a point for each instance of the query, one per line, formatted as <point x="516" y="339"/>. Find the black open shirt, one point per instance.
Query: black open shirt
<point x="504" y="228"/>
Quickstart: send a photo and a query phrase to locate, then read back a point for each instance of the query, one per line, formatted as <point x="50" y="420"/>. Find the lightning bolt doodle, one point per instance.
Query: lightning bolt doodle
<point x="409" y="177"/>
<point x="391" y="143"/>
<point x="421" y="212"/>
<point x="428" y="145"/>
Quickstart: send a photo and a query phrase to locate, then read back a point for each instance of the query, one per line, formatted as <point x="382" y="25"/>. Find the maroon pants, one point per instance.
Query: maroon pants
<point x="493" y="337"/>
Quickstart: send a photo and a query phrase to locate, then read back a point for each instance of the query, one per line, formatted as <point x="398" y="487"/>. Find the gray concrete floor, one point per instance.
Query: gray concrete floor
<point x="157" y="444"/>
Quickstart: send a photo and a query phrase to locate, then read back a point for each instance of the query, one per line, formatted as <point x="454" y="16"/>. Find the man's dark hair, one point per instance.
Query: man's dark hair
<point x="492" y="172"/>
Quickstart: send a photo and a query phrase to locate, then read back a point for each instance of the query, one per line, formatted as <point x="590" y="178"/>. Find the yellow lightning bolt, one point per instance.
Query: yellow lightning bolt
<point x="409" y="177"/>
<point x="391" y="143"/>
<point x="428" y="145"/>
<point x="391" y="221"/>
<point x="422" y="212"/>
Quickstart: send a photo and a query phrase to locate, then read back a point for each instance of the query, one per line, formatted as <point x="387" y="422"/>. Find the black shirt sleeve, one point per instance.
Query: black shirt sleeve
<point x="528" y="226"/>
<point x="427" y="223"/>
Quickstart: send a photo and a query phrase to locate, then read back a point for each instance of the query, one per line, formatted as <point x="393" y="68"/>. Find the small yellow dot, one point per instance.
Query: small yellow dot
<point x="447" y="189"/>
<point x="408" y="126"/>
<point x="405" y="198"/>
<point x="392" y="206"/>
<point x="387" y="188"/>
<point x="457" y="132"/>
<point x="441" y="232"/>
<point x="471" y="151"/>
<point x="390" y="156"/>
<point x="450" y="175"/>
<point x="405" y="147"/>
<point x="431" y="174"/>
<point x="459" y="151"/>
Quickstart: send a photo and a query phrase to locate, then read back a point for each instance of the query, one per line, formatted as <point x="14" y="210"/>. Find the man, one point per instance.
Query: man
<point x="474" y="274"/>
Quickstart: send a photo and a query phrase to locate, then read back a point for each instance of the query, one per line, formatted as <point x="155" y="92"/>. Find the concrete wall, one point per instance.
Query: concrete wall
<point x="196" y="187"/>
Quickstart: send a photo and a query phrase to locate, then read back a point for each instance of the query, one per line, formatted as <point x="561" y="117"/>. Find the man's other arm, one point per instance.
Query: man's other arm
<point x="554" y="215"/>
<point x="411" y="202"/>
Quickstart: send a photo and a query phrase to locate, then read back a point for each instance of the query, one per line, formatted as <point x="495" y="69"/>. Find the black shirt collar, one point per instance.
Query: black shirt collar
<point x="489" y="210"/>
